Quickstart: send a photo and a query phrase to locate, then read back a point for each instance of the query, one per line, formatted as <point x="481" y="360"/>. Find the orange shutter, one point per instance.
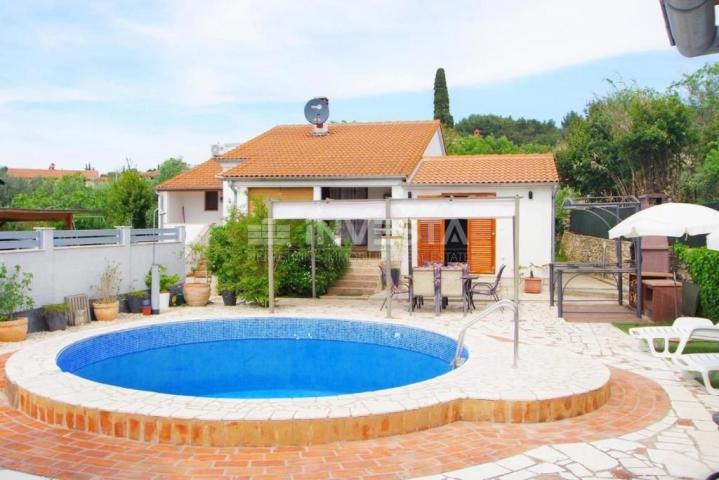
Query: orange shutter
<point x="480" y="245"/>
<point x="430" y="245"/>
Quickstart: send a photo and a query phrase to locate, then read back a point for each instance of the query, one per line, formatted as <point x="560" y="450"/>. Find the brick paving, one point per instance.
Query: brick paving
<point x="33" y="447"/>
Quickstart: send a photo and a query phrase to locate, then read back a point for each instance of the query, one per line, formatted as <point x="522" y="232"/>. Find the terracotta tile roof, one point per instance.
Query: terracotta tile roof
<point x="201" y="177"/>
<point x="50" y="173"/>
<point x="349" y="150"/>
<point x="501" y="168"/>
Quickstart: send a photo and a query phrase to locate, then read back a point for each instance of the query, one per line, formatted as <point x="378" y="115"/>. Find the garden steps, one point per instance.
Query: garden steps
<point x="360" y="280"/>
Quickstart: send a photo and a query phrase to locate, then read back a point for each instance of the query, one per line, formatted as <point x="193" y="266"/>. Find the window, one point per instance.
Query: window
<point x="212" y="200"/>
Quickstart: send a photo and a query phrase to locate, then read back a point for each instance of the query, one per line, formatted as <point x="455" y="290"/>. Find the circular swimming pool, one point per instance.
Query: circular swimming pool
<point x="261" y="357"/>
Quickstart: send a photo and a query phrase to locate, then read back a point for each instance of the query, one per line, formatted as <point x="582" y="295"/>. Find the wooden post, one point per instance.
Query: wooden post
<point x="270" y="258"/>
<point x="313" y="258"/>
<point x="388" y="255"/>
<point x="515" y="242"/>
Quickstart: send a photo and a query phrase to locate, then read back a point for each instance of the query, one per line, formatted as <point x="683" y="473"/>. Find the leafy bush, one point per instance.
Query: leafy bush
<point x="294" y="271"/>
<point x="13" y="292"/>
<point x="237" y="255"/>
<point x="166" y="281"/>
<point x="55" y="308"/>
<point x="702" y="265"/>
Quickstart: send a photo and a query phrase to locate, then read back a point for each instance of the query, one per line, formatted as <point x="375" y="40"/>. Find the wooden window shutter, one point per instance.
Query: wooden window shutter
<point x="481" y="245"/>
<point x="430" y="245"/>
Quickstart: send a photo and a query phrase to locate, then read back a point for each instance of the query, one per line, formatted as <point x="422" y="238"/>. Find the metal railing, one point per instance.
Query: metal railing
<point x="141" y="235"/>
<point x="457" y="361"/>
<point x="19" y="240"/>
<point x="74" y="238"/>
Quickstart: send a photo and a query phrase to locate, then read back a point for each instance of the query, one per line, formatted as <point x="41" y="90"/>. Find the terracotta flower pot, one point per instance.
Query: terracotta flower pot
<point x="13" y="330"/>
<point x="532" y="285"/>
<point x="196" y="294"/>
<point x="104" y="312"/>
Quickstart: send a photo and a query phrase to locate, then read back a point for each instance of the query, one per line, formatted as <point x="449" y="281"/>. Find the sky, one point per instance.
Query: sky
<point x="103" y="82"/>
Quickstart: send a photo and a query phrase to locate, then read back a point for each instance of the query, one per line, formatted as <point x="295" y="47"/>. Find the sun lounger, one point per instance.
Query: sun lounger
<point x="704" y="363"/>
<point x="679" y="331"/>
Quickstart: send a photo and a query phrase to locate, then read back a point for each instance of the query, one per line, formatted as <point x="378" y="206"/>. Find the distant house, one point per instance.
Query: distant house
<point x="90" y="175"/>
<point x="374" y="161"/>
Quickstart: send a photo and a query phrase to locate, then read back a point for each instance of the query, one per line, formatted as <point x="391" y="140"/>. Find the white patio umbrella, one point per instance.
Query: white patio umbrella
<point x="669" y="220"/>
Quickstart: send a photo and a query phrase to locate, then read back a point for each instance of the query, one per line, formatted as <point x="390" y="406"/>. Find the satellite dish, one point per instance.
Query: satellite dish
<point x="317" y="110"/>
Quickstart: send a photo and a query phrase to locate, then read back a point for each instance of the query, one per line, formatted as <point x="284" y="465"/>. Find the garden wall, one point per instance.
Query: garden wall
<point x="59" y="271"/>
<point x="585" y="248"/>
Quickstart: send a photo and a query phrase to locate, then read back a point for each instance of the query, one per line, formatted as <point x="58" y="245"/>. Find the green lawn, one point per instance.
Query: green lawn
<point x="695" y="346"/>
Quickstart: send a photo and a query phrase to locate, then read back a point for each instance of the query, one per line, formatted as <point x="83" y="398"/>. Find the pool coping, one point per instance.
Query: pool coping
<point x="549" y="384"/>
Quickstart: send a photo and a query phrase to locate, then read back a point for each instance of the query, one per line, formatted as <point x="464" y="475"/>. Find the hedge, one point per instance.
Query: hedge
<point x="703" y="267"/>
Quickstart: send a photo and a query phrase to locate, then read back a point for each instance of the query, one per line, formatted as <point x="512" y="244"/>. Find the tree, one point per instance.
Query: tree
<point x="130" y="200"/>
<point x="630" y="142"/>
<point x="441" y="100"/>
<point x="700" y="90"/>
<point x="520" y="131"/>
<point x="471" y="145"/>
<point x="69" y="192"/>
<point x="170" y="168"/>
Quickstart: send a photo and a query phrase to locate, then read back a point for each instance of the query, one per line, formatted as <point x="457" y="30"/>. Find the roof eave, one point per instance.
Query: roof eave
<point x="310" y="177"/>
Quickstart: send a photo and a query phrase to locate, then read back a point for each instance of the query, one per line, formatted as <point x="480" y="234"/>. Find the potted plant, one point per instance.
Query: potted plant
<point x="106" y="306"/>
<point x="55" y="316"/>
<point x="532" y="284"/>
<point x="166" y="282"/>
<point x="227" y="290"/>
<point x="14" y="288"/>
<point x="197" y="292"/>
<point x="135" y="299"/>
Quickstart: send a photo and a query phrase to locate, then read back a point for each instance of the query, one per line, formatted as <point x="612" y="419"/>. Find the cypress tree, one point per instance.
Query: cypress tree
<point x="441" y="99"/>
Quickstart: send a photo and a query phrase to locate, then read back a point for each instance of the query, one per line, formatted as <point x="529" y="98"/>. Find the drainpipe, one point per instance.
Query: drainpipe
<point x="691" y="25"/>
<point x="233" y="187"/>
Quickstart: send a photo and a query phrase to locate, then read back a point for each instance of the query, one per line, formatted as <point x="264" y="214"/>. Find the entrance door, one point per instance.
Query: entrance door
<point x="430" y="243"/>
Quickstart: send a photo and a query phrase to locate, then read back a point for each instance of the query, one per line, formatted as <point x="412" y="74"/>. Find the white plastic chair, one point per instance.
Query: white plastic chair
<point x="704" y="363"/>
<point x="679" y="331"/>
<point x="424" y="285"/>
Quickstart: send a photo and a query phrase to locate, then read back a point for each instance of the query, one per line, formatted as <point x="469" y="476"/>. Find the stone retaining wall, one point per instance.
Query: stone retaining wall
<point x="583" y="248"/>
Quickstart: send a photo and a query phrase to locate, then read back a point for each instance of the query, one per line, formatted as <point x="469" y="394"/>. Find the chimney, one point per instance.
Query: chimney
<point x="320" y="128"/>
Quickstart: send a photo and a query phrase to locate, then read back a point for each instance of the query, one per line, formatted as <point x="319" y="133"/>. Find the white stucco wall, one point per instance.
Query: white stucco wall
<point x="535" y="223"/>
<point x="58" y="272"/>
<point x="435" y="146"/>
<point x="187" y="209"/>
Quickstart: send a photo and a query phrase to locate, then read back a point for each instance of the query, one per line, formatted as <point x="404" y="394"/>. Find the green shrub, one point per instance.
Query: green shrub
<point x="55" y="308"/>
<point x="166" y="281"/>
<point x="139" y="293"/>
<point x="237" y="255"/>
<point x="13" y="292"/>
<point x="703" y="267"/>
<point x="294" y="271"/>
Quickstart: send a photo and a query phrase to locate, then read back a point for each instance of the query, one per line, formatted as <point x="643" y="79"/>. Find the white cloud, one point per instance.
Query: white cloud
<point x="276" y="50"/>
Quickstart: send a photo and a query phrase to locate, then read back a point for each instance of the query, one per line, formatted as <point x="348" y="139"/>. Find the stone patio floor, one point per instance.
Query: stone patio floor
<point x="657" y="424"/>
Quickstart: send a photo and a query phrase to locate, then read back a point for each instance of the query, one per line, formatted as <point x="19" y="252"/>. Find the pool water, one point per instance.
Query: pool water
<point x="261" y="357"/>
<point x="268" y="368"/>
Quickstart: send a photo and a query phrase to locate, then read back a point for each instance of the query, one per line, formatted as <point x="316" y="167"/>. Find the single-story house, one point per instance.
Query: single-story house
<point x="371" y="161"/>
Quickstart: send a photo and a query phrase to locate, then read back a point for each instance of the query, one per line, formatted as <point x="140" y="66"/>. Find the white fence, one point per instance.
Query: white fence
<point x="68" y="262"/>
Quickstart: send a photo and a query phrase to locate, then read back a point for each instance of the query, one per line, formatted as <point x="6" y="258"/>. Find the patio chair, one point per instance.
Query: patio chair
<point x="704" y="363"/>
<point x="451" y="285"/>
<point x="424" y="285"/>
<point x="397" y="288"/>
<point x="679" y="331"/>
<point x="485" y="288"/>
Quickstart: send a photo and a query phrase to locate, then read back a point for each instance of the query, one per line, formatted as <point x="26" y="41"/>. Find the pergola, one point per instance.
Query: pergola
<point x="40" y="215"/>
<point x="394" y="209"/>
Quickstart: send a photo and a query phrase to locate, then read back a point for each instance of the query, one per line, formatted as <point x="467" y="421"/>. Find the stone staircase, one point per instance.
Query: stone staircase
<point x="360" y="281"/>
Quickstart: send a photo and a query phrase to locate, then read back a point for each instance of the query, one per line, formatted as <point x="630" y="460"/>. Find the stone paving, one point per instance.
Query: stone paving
<point x="657" y="424"/>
